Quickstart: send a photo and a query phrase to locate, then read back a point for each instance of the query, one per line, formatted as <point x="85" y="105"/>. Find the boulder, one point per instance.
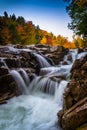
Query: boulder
<point x="3" y="71"/>
<point x="8" y="88"/>
<point x="74" y="112"/>
<point x="75" y="116"/>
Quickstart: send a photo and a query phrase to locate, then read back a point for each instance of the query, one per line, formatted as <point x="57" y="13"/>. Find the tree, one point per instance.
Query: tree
<point x="14" y="37"/>
<point x="77" y="10"/>
<point x="79" y="42"/>
<point x="38" y="35"/>
<point x="21" y="20"/>
<point x="6" y="14"/>
<point x="30" y="33"/>
<point x="13" y="17"/>
<point x="60" y="40"/>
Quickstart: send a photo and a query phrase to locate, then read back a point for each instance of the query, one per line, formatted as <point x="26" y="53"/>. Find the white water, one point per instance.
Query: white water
<point x="24" y="75"/>
<point x="31" y="112"/>
<point x="43" y="62"/>
<point x="38" y="110"/>
<point x="19" y="81"/>
<point x="4" y="63"/>
<point x="43" y="84"/>
<point x="81" y="55"/>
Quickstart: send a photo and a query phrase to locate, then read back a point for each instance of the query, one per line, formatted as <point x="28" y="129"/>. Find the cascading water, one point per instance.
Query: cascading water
<point x="19" y="81"/>
<point x="38" y="109"/>
<point x="44" y="84"/>
<point x="43" y="62"/>
<point x="24" y="75"/>
<point x="4" y="63"/>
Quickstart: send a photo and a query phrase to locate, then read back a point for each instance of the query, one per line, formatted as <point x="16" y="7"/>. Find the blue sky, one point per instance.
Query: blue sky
<point x="50" y="15"/>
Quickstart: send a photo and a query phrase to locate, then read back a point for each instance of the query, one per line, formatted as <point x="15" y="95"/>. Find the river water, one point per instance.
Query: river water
<point x="36" y="110"/>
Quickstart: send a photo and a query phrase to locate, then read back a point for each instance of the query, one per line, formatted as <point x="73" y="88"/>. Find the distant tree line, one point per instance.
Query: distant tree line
<point x="16" y="30"/>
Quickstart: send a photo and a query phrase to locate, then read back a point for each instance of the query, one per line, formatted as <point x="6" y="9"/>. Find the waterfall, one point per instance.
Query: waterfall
<point x="56" y="71"/>
<point x="74" y="54"/>
<point x="19" y="81"/>
<point x="81" y="55"/>
<point x="4" y="63"/>
<point x="44" y="84"/>
<point x="59" y="93"/>
<point x="71" y="56"/>
<point x="43" y="62"/>
<point x="24" y="75"/>
<point x="38" y="109"/>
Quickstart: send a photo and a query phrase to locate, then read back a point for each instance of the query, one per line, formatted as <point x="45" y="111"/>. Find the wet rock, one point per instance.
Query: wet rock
<point x="64" y="63"/>
<point x="84" y="66"/>
<point x="69" y="58"/>
<point x="25" y="54"/>
<point x="14" y="58"/>
<point x="74" y="111"/>
<point x="13" y="63"/>
<point x="75" y="116"/>
<point x="3" y="71"/>
<point x="82" y="127"/>
<point x="80" y="50"/>
<point x="8" y="88"/>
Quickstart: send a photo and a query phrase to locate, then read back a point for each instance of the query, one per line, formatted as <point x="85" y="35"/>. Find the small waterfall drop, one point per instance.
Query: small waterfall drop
<point x="81" y="55"/>
<point x="4" y="63"/>
<point x="71" y="56"/>
<point x="43" y="84"/>
<point x="74" y="54"/>
<point x="24" y="75"/>
<point x="59" y="93"/>
<point x="43" y="62"/>
<point x="19" y="81"/>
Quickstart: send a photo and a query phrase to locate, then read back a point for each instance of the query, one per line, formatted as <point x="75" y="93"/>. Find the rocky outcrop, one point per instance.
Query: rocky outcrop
<point x="8" y="88"/>
<point x="56" y="53"/>
<point x="18" y="56"/>
<point x="74" y="111"/>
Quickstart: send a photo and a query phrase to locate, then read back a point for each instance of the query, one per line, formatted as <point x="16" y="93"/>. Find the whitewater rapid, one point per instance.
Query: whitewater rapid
<point x="36" y="110"/>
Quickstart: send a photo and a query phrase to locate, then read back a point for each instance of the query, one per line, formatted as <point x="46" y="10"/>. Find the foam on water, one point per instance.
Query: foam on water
<point x="29" y="113"/>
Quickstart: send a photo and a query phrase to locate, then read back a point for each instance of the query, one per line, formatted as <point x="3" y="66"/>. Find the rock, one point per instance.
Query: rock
<point x="13" y="62"/>
<point x="74" y="112"/>
<point x="75" y="116"/>
<point x="84" y="66"/>
<point x="80" y="50"/>
<point x="8" y="88"/>
<point x="82" y="127"/>
<point x="14" y="58"/>
<point x="3" y="71"/>
<point x="79" y="63"/>
<point x="69" y="58"/>
<point x="64" y="63"/>
<point x="25" y="54"/>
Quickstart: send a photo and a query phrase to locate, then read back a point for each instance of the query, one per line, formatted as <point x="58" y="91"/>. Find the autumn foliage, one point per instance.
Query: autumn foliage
<point x="18" y="31"/>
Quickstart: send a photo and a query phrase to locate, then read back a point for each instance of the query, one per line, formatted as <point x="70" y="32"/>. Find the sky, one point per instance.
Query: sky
<point x="50" y="15"/>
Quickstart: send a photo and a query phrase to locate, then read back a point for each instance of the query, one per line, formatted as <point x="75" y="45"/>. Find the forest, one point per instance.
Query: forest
<point x="16" y="30"/>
